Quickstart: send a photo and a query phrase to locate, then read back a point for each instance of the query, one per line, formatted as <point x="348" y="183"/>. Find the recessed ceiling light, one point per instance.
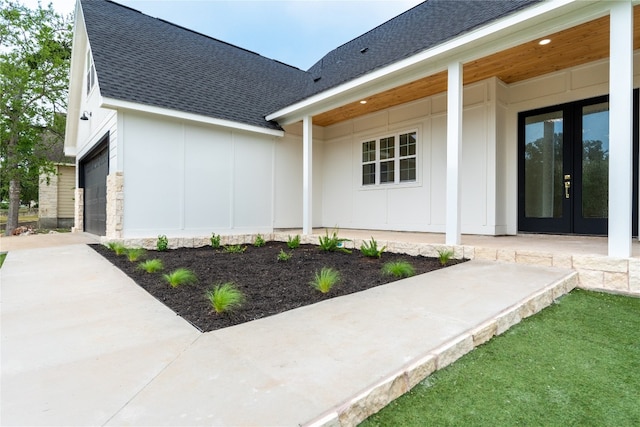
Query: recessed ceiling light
<point x="544" y="41"/>
<point x="363" y="102"/>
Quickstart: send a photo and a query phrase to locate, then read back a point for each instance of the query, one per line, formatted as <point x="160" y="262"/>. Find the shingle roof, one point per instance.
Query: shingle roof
<point x="150" y="61"/>
<point x="427" y="25"/>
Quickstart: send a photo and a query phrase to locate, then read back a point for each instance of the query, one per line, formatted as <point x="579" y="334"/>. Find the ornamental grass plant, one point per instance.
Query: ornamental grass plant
<point x="151" y="265"/>
<point x="179" y="277"/>
<point x="325" y="279"/>
<point x="398" y="269"/>
<point x="224" y="297"/>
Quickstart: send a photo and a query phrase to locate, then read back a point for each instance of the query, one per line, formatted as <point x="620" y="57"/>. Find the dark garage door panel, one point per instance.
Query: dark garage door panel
<point x="95" y="193"/>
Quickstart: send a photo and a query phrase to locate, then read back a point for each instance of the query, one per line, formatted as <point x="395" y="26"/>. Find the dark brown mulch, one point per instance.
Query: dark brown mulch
<point x="270" y="286"/>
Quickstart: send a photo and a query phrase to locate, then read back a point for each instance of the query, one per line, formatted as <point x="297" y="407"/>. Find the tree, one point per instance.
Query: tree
<point x="35" y="53"/>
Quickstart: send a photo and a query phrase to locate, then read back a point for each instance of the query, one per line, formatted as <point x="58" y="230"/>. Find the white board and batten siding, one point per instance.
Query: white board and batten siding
<point x="419" y="205"/>
<point x="183" y="179"/>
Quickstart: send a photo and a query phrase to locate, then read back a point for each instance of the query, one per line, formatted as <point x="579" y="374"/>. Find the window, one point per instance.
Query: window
<point x="390" y="159"/>
<point x="91" y="72"/>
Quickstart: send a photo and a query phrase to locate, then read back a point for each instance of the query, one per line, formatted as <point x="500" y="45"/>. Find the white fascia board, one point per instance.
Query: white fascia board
<point x="75" y="82"/>
<point x="116" y="104"/>
<point x="530" y="23"/>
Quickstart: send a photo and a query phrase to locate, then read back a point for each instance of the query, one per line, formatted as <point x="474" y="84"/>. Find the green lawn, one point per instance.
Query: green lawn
<point x="2" y="257"/>
<point x="577" y="363"/>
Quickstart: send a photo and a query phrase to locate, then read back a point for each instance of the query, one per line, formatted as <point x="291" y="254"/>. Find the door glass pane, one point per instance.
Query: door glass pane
<point x="595" y="161"/>
<point x="544" y="185"/>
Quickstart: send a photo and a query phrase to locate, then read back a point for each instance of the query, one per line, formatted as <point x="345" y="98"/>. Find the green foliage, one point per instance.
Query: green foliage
<point x="181" y="276"/>
<point x="370" y="249"/>
<point x="293" y="242"/>
<point x="225" y="297"/>
<point x="283" y="256"/>
<point x="572" y="364"/>
<point x="325" y="279"/>
<point x="117" y="247"/>
<point x="215" y="240"/>
<point x="235" y="249"/>
<point x="444" y="255"/>
<point x="2" y="258"/>
<point x="163" y="243"/>
<point x="398" y="269"/>
<point x="135" y="254"/>
<point x="35" y="54"/>
<point x="332" y="243"/>
<point x="259" y="241"/>
<point x="151" y="265"/>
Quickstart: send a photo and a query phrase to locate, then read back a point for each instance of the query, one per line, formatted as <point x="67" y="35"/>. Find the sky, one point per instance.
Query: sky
<point x="296" y="32"/>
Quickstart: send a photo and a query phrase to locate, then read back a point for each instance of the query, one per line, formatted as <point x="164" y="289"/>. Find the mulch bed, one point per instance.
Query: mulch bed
<point x="270" y="286"/>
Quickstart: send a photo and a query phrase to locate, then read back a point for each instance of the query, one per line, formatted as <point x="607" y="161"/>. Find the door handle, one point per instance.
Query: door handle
<point x="567" y="185"/>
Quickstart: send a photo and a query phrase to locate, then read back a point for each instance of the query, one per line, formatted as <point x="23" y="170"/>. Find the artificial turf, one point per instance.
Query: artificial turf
<point x="576" y="363"/>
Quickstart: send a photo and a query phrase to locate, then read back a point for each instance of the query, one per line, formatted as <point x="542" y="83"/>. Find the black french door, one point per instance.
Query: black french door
<point x="563" y="171"/>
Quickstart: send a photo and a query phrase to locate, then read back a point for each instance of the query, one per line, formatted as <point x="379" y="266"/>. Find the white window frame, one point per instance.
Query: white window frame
<point x="90" y="72"/>
<point x="396" y="160"/>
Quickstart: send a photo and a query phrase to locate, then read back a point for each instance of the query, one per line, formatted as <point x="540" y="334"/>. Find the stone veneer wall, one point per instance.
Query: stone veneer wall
<point x="48" y="201"/>
<point x="78" y="207"/>
<point x="594" y="272"/>
<point x="115" y="205"/>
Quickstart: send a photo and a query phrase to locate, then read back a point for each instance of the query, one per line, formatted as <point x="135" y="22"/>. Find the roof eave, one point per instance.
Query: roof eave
<point x="530" y="23"/>
<point x="117" y="104"/>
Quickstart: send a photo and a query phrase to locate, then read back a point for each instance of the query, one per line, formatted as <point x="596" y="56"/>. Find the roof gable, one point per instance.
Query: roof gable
<point x="149" y="61"/>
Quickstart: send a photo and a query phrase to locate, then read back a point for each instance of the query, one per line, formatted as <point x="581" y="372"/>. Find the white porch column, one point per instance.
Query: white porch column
<point x="454" y="153"/>
<point x="307" y="175"/>
<point x="620" y="129"/>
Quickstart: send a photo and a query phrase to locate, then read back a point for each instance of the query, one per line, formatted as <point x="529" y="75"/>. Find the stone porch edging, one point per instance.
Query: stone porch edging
<point x="378" y="395"/>
<point x="620" y="275"/>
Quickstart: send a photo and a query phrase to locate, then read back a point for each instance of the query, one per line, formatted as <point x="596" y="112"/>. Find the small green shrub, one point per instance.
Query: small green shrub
<point x="325" y="279"/>
<point x="332" y="243"/>
<point x="235" y="249"/>
<point x="444" y="256"/>
<point x="398" y="269"/>
<point x="163" y="243"/>
<point x="117" y="247"/>
<point x="283" y="256"/>
<point x="225" y="297"/>
<point x="293" y="242"/>
<point x="215" y="241"/>
<point x="135" y="254"/>
<point x="370" y="249"/>
<point x="151" y="265"/>
<point x="259" y="241"/>
<point x="181" y="276"/>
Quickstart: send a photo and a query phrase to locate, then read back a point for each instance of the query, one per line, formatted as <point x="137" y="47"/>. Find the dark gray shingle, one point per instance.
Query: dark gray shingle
<point x="425" y="26"/>
<point x="150" y="61"/>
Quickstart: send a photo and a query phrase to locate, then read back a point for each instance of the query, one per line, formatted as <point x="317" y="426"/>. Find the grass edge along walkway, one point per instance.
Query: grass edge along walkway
<point x="576" y="362"/>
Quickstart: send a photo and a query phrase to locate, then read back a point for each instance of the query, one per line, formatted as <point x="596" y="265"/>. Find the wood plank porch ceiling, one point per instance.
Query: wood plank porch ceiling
<point x="575" y="46"/>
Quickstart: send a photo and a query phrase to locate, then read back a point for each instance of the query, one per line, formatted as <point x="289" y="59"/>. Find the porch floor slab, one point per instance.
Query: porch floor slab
<point x="83" y="345"/>
<point x="548" y="243"/>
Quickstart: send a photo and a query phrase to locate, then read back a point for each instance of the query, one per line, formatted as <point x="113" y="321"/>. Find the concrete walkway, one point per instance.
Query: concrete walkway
<point x="83" y="345"/>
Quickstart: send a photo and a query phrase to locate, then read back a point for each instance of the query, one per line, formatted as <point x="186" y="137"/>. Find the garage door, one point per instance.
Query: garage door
<point x="95" y="171"/>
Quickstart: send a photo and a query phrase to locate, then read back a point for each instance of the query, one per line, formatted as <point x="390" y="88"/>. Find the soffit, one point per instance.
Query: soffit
<point x="575" y="46"/>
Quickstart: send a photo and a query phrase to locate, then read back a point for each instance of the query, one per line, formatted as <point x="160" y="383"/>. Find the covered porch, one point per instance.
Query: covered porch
<point x="511" y="52"/>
